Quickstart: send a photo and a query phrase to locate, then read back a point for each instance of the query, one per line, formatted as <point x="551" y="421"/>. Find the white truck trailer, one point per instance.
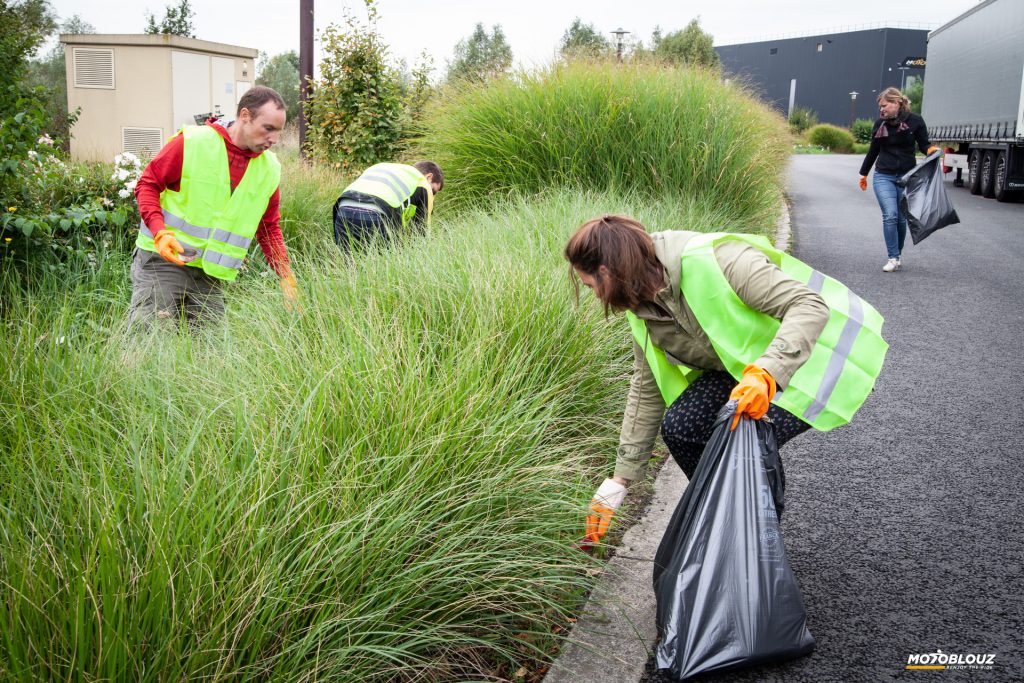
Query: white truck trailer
<point x="974" y="96"/>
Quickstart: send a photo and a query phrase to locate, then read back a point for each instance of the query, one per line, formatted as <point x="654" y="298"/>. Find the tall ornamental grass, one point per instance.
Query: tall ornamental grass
<point x="643" y="128"/>
<point x="385" y="486"/>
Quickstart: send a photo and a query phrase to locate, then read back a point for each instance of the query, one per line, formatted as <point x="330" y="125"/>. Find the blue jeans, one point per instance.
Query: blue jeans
<point x="894" y="223"/>
<point x="355" y="227"/>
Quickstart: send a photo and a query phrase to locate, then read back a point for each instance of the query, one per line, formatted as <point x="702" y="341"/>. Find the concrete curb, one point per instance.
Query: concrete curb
<point x="615" y="634"/>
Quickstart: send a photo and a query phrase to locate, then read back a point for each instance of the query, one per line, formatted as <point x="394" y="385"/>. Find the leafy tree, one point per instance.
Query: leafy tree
<point x="692" y="45"/>
<point x="915" y="93"/>
<point x="281" y="72"/>
<point x="24" y="25"/>
<point x="356" y="113"/>
<point x="481" y="56"/>
<point x="583" y="40"/>
<point x="416" y="90"/>
<point x="49" y="73"/>
<point x="177" y="21"/>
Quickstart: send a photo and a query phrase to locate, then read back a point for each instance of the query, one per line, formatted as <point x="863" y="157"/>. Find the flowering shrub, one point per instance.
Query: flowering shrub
<point x="127" y="169"/>
<point x="54" y="210"/>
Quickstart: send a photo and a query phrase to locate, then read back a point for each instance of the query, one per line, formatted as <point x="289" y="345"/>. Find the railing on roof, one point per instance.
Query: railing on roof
<point x="847" y="28"/>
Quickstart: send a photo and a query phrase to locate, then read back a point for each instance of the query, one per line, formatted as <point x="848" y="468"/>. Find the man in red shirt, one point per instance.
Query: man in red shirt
<point x="162" y="285"/>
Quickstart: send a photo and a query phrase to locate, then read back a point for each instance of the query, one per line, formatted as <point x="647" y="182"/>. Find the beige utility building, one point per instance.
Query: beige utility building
<point x="135" y="91"/>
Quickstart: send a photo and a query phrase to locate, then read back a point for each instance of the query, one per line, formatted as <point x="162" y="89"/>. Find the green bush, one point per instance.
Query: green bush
<point x="861" y="130"/>
<point x="802" y="118"/>
<point x="359" y="112"/>
<point x="831" y="137"/>
<point x="53" y="212"/>
<point x="637" y="127"/>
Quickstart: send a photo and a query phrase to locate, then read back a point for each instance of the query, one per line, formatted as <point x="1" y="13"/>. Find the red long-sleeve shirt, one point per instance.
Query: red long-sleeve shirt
<point x="164" y="172"/>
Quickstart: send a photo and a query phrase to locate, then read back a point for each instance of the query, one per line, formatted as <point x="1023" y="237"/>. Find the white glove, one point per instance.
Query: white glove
<point x="610" y="494"/>
<point x="602" y="508"/>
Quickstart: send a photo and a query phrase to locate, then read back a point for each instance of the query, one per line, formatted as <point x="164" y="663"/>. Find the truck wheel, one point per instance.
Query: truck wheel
<point x="988" y="168"/>
<point x="974" y="171"/>
<point x="999" y="190"/>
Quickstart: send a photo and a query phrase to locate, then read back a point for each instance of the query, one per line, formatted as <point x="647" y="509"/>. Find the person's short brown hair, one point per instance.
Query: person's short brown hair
<point x="623" y="247"/>
<point x="433" y="169"/>
<point x="256" y="96"/>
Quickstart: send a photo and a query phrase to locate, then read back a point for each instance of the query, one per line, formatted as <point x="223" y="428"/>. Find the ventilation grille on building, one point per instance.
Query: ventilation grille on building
<point x="142" y="142"/>
<point x="94" y="68"/>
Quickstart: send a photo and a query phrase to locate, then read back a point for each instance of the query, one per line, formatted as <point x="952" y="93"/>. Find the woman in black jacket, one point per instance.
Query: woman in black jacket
<point x="893" y="140"/>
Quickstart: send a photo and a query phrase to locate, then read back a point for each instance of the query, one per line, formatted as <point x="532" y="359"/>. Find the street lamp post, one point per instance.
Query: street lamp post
<point x="619" y="33"/>
<point x="853" y="107"/>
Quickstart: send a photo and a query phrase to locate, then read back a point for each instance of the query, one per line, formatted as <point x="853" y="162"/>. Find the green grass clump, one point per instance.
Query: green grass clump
<point x="831" y="137"/>
<point x="643" y="128"/>
<point x="384" y="486"/>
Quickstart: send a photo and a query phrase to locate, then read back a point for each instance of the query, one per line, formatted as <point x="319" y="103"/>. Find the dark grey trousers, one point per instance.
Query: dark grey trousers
<point x="164" y="291"/>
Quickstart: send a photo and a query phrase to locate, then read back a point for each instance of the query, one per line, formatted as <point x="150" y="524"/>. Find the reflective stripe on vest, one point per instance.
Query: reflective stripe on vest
<point x="209" y="254"/>
<point x="205" y="214"/>
<point x="394" y="184"/>
<point x="842" y="367"/>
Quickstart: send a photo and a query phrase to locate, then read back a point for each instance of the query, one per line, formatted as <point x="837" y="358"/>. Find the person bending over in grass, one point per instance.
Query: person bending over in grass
<point x="718" y="317"/>
<point x="384" y="199"/>
<point x="202" y="199"/>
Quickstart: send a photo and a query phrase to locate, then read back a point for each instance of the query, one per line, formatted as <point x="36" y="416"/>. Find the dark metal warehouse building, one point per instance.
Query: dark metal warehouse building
<point x="820" y="72"/>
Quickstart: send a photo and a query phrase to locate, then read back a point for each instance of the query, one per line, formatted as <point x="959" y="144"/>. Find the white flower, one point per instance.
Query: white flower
<point x="44" y="139"/>
<point x="130" y="185"/>
<point x="32" y="154"/>
<point x="123" y="193"/>
<point x="122" y="174"/>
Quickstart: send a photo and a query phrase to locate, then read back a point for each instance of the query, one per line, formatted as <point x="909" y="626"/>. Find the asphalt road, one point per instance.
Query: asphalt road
<point x="906" y="528"/>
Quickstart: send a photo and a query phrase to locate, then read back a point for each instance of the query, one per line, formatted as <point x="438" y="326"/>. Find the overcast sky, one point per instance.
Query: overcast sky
<point x="533" y="27"/>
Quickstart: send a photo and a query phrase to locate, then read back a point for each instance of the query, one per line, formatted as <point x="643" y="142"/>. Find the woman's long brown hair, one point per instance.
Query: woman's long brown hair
<point x="623" y="247"/>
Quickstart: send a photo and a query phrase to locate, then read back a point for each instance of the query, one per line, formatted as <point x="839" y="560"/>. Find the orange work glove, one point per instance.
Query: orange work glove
<point x="931" y="149"/>
<point x="602" y="508"/>
<point x="753" y="394"/>
<point x="864" y="183"/>
<point x="290" y="288"/>
<point x="168" y="247"/>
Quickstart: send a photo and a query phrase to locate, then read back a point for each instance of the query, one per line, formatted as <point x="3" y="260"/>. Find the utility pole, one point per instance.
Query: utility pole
<point x="305" y="67"/>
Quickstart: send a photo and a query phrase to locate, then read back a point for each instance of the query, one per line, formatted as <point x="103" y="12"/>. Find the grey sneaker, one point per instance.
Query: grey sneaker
<point x="891" y="265"/>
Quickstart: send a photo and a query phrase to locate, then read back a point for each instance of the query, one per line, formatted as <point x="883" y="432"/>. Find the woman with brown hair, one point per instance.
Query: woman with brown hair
<point x="718" y="317"/>
<point x="893" y="138"/>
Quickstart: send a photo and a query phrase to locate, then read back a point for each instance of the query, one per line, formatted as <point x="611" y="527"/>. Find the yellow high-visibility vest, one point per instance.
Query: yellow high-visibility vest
<point x="205" y="214"/>
<point x="842" y="367"/>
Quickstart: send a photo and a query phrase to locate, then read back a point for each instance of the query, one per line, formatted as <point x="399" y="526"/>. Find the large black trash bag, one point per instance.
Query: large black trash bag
<point x="726" y="595"/>
<point x="925" y="203"/>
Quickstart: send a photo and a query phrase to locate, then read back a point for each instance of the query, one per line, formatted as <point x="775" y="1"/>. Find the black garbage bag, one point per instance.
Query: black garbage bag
<point x="925" y="203"/>
<point x="726" y="596"/>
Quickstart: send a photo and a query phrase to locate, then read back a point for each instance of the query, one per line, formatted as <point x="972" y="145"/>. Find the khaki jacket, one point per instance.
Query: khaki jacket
<point x="673" y="328"/>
